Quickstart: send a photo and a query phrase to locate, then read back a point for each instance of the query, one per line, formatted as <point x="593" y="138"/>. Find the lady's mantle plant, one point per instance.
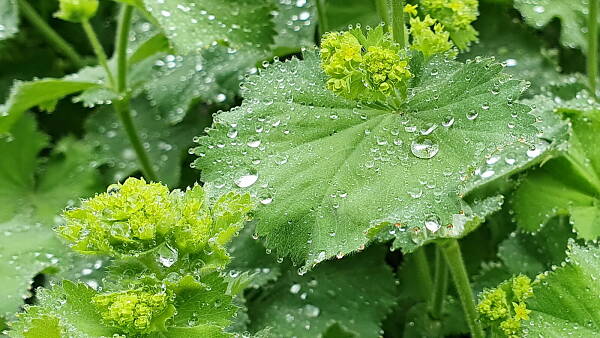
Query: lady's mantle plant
<point x="169" y="254"/>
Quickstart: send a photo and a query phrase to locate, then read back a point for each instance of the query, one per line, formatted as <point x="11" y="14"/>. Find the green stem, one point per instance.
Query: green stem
<point x="98" y="50"/>
<point x="423" y="272"/>
<point x="453" y="257"/>
<point x="322" y="16"/>
<point x="124" y="113"/>
<point x="50" y="34"/>
<point x="383" y="11"/>
<point x="122" y="107"/>
<point x="592" y="55"/>
<point x="122" y="38"/>
<point x="440" y="285"/>
<point x="398" y="25"/>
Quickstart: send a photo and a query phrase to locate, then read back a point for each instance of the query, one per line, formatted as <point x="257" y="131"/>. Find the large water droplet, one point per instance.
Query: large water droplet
<point x="246" y="180"/>
<point x="423" y="147"/>
<point x="432" y="223"/>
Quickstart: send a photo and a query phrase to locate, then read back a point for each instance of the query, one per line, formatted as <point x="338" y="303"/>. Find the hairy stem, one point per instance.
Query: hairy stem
<point x="451" y="251"/>
<point x="398" y="25"/>
<point x="98" y="50"/>
<point x="122" y="107"/>
<point x="322" y="16"/>
<point x="423" y="272"/>
<point x="440" y="285"/>
<point x="592" y="55"/>
<point x="121" y="47"/>
<point x="50" y="34"/>
<point x="383" y="11"/>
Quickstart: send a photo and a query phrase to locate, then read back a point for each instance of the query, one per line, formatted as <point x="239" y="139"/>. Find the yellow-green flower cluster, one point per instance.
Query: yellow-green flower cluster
<point x="505" y="306"/>
<point x="136" y="216"/>
<point x="366" y="68"/>
<point x="132" y="311"/>
<point x="456" y="16"/>
<point x="77" y="10"/>
<point x="429" y="36"/>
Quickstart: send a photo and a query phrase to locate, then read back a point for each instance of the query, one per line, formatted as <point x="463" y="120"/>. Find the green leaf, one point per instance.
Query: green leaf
<point x="314" y="159"/>
<point x="70" y="303"/>
<point x="514" y="44"/>
<point x="570" y="184"/>
<point x="27" y="248"/>
<point x="572" y="15"/>
<point x="166" y="144"/>
<point x="195" y="24"/>
<point x="531" y="254"/>
<point x="9" y="19"/>
<point x="26" y="95"/>
<point x="342" y="13"/>
<point x="565" y="303"/>
<point x="203" y="303"/>
<point x="335" y="292"/>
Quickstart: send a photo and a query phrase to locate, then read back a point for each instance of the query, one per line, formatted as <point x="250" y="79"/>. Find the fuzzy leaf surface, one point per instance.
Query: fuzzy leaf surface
<point x="195" y="24"/>
<point x="313" y="158"/>
<point x="572" y="15"/>
<point x="570" y="184"/>
<point x="334" y="293"/>
<point x="565" y="303"/>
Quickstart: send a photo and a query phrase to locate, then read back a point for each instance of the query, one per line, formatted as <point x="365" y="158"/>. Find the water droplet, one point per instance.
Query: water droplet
<point x="246" y="180"/>
<point x="295" y="288"/>
<point x="311" y="311"/>
<point x="423" y="147"/>
<point x="432" y="223"/>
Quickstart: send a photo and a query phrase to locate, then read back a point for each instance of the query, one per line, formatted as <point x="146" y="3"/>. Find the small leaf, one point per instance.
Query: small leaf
<point x="565" y="302"/>
<point x="335" y="292"/>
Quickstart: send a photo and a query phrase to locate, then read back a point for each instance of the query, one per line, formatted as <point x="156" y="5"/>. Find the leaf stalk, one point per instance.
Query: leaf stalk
<point x="440" y="285"/>
<point x="423" y="272"/>
<point x="453" y="256"/>
<point x="398" y="24"/>
<point x="592" y="53"/>
<point x="384" y="13"/>
<point x="98" y="50"/>
<point x="323" y="25"/>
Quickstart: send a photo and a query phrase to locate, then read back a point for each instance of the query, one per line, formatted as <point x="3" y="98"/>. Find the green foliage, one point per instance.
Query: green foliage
<point x="572" y="16"/>
<point x="456" y="16"/>
<point x="9" y="17"/>
<point x="292" y="130"/>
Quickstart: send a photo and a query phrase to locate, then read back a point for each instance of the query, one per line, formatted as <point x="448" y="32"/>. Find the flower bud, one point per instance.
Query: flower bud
<point x="77" y="10"/>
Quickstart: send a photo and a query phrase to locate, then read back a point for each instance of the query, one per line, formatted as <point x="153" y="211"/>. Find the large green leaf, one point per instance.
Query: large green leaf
<point x="9" y="19"/>
<point x="165" y="144"/>
<point x="568" y="185"/>
<point x="356" y="292"/>
<point x="572" y="15"/>
<point x="315" y="159"/>
<point x="195" y="24"/>
<point x="565" y="302"/>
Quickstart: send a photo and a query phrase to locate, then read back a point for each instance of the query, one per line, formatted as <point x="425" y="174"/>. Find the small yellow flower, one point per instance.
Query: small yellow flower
<point x="410" y="9"/>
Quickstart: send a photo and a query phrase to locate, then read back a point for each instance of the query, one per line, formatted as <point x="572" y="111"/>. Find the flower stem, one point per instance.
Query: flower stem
<point x="122" y="107"/>
<point x="440" y="285"/>
<point x="398" y="25"/>
<point x="322" y="16"/>
<point x="383" y="11"/>
<point x="451" y="251"/>
<point x="98" y="50"/>
<point x="423" y="272"/>
<point x="592" y="53"/>
<point x="50" y="34"/>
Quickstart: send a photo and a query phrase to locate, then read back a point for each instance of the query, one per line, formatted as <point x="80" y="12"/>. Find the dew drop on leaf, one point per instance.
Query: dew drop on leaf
<point x="423" y="147"/>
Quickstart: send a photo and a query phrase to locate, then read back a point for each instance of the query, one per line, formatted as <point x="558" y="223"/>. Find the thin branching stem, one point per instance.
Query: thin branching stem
<point x="98" y="50"/>
<point x="423" y="272"/>
<point x="60" y="44"/>
<point x="440" y="285"/>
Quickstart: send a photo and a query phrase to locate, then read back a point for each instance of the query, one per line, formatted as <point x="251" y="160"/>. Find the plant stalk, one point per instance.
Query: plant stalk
<point x="98" y="50"/>
<point x="423" y="273"/>
<point x="453" y="256"/>
<point x="122" y="107"/>
<point x="398" y="25"/>
<point x="322" y="16"/>
<point x="440" y="285"/>
<point x="384" y="13"/>
<point x="592" y="53"/>
<point x="50" y="34"/>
